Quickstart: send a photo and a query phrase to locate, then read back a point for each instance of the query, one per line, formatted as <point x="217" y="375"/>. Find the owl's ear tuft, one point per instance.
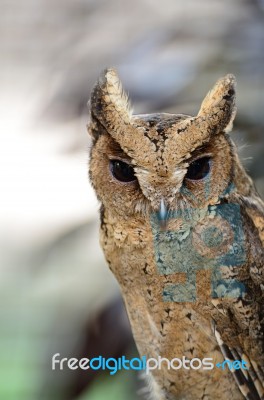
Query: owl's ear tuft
<point x="219" y="106"/>
<point x="109" y="103"/>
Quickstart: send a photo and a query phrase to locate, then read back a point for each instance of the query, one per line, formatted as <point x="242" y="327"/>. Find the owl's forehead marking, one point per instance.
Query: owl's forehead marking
<point x="156" y="128"/>
<point x="160" y="121"/>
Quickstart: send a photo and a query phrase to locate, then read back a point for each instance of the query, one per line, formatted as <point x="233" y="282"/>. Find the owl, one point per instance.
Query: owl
<point x="182" y="231"/>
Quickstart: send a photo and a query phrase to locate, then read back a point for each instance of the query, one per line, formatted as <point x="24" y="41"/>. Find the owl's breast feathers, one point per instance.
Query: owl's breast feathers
<point x="238" y="322"/>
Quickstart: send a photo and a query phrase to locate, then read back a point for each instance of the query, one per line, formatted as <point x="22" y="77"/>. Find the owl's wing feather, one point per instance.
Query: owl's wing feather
<point x="255" y="371"/>
<point x="249" y="381"/>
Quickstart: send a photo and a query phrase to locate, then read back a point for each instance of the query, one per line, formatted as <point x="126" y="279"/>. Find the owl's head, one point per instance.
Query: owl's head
<point x="145" y="163"/>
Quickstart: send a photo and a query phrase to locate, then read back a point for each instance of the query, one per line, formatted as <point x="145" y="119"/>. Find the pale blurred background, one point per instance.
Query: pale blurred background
<point x="57" y="295"/>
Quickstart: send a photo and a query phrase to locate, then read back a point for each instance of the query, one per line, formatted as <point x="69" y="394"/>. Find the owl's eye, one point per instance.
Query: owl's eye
<point x="122" y="171"/>
<point x="199" y="169"/>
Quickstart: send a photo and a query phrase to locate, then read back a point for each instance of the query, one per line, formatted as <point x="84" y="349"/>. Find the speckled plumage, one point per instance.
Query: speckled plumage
<point x="137" y="245"/>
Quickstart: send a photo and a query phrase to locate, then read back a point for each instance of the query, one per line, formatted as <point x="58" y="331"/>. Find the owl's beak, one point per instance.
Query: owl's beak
<point x="162" y="214"/>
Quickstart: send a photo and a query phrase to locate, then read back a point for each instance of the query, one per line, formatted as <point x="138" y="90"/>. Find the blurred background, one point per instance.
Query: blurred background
<point x="57" y="294"/>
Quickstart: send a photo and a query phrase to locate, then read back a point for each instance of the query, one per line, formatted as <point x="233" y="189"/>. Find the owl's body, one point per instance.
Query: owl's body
<point x="182" y="230"/>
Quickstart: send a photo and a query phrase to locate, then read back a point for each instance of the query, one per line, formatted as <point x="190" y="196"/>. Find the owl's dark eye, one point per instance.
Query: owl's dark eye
<point x="122" y="171"/>
<point x="199" y="169"/>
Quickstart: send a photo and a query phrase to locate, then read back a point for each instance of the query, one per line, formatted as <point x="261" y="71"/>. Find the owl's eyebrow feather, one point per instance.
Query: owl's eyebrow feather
<point x="115" y="151"/>
<point x="199" y="151"/>
<point x="114" y="148"/>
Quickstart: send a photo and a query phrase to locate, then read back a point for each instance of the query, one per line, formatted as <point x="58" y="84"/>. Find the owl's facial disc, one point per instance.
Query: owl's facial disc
<point x="189" y="179"/>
